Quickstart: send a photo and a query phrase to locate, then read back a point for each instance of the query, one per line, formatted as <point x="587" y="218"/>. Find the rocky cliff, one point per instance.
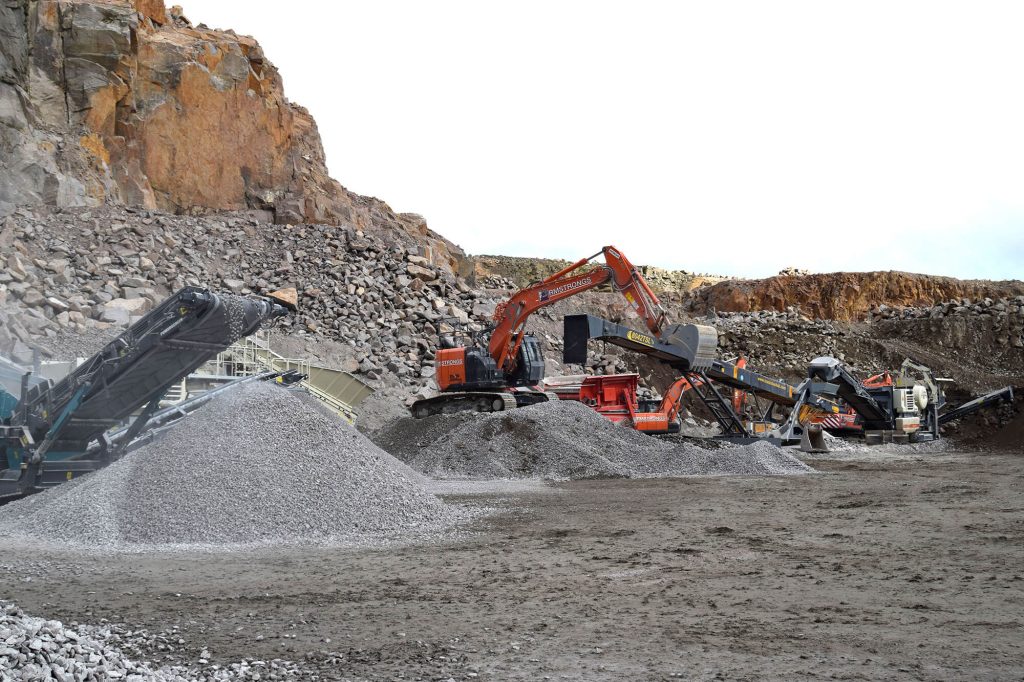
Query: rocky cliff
<point x="519" y="272"/>
<point x="844" y="295"/>
<point x="126" y="102"/>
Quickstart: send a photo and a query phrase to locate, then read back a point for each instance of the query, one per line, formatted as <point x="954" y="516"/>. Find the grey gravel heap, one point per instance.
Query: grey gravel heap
<point x="563" y="440"/>
<point x="258" y="465"/>
<point x="37" y="649"/>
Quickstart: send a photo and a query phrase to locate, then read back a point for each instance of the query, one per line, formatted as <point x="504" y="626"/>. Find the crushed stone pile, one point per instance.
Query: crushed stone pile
<point x="842" y="448"/>
<point x="38" y="649"/>
<point x="564" y="440"/>
<point x="258" y="465"/>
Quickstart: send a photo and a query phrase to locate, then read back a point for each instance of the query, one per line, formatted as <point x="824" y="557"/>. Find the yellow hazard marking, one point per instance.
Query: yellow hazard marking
<point x="639" y="338"/>
<point x="69" y="475"/>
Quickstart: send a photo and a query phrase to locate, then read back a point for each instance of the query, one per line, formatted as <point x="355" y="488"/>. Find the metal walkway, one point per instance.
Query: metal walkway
<point x="338" y="390"/>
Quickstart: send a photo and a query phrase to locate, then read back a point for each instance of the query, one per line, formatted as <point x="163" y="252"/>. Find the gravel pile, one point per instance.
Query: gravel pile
<point x="37" y="649"/>
<point x="258" y="465"/>
<point x="564" y="440"/>
<point x="842" y="448"/>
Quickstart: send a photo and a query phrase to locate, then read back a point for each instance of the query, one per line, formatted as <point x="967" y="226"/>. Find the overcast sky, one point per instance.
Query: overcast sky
<point x="734" y="138"/>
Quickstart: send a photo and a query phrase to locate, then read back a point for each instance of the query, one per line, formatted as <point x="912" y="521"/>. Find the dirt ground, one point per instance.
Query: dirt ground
<point x="878" y="568"/>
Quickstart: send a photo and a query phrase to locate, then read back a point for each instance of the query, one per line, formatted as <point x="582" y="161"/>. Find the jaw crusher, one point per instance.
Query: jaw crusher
<point x="53" y="432"/>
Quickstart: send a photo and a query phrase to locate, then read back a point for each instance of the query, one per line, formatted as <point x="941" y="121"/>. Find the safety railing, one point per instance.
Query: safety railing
<point x="337" y="389"/>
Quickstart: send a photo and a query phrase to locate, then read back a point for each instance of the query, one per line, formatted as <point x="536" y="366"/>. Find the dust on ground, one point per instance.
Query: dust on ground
<point x="894" y="568"/>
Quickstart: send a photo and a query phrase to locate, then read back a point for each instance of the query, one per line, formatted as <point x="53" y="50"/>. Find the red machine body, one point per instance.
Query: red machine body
<point x="616" y="397"/>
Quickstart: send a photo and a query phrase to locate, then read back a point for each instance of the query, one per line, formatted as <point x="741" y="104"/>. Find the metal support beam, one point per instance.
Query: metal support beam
<point x="732" y="425"/>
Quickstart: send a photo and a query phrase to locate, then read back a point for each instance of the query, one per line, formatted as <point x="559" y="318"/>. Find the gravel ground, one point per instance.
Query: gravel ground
<point x="883" y="570"/>
<point x="564" y="440"/>
<point x="38" y="649"/>
<point x="258" y="465"/>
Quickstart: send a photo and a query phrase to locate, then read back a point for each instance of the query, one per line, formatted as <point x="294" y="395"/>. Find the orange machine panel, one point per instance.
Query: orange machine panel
<point x="450" y="364"/>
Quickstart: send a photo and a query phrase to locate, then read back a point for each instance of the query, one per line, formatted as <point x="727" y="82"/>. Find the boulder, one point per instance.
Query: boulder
<point x="288" y="297"/>
<point x="132" y="306"/>
<point x="421" y="273"/>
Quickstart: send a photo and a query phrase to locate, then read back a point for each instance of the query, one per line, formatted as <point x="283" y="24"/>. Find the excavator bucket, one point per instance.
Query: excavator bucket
<point x="813" y="439"/>
<point x="700" y="341"/>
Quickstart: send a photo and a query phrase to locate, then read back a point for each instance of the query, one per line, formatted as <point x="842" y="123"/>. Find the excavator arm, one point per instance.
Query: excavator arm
<point x="510" y="317"/>
<point x="671" y="401"/>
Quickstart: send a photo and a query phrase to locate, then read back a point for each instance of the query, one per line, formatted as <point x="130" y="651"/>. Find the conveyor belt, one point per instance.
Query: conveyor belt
<point x="57" y="422"/>
<point x="973" y="406"/>
<point x="167" y="344"/>
<point x="744" y="379"/>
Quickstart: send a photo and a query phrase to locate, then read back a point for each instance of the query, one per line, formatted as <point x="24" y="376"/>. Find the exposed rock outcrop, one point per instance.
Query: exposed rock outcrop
<point x="844" y="295"/>
<point x="520" y="272"/>
<point x="121" y="101"/>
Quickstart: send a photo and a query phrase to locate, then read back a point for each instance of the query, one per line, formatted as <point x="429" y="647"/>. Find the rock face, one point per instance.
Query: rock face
<point x="125" y="102"/>
<point x="86" y="271"/>
<point x="843" y="295"/>
<point x="519" y="272"/>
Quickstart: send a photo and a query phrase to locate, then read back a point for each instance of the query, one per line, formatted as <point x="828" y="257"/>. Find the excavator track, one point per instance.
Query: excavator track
<point x="477" y="401"/>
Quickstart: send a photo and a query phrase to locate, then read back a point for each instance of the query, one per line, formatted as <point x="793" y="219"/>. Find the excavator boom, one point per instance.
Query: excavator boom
<point x="510" y="317"/>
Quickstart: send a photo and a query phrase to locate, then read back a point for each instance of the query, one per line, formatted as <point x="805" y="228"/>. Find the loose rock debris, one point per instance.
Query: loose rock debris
<point x="258" y="465"/>
<point x="37" y="649"/>
<point x="564" y="440"/>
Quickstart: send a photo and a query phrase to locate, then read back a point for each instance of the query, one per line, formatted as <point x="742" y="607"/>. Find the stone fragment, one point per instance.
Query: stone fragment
<point x="421" y="273"/>
<point x="58" y="305"/>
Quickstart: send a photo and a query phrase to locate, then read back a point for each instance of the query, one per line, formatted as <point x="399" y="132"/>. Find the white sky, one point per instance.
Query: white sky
<point x="734" y="138"/>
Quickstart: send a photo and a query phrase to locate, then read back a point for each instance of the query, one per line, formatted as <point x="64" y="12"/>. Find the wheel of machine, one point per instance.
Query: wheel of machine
<point x="497" y="405"/>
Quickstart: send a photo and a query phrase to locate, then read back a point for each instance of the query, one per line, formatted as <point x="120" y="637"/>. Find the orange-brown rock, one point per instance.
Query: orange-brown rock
<point x="288" y="297"/>
<point x="125" y="101"/>
<point x="844" y="295"/>
<point x="153" y="10"/>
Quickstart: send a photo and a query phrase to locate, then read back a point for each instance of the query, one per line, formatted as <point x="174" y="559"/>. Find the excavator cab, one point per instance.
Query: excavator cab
<point x="530" y="364"/>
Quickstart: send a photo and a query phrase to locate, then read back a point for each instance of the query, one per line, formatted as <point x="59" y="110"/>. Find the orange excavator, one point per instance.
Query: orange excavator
<point x="506" y="371"/>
